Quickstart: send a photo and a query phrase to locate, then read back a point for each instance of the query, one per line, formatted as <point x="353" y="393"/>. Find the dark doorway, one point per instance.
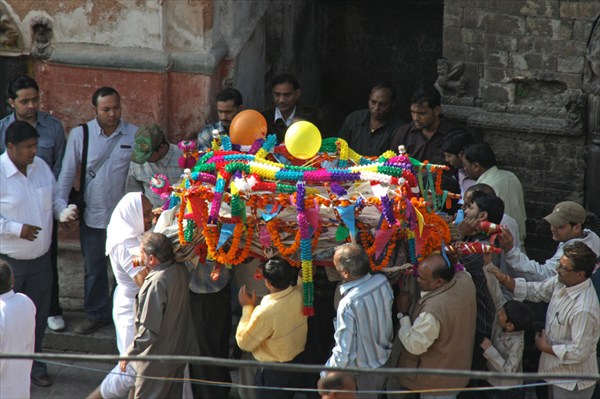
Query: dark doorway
<point x="12" y="68"/>
<point x="364" y="42"/>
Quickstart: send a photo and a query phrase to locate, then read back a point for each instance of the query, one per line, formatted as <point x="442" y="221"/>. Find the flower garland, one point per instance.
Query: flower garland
<point x="232" y="256"/>
<point x="368" y="242"/>
<point x="305" y="251"/>
<point x="274" y="226"/>
<point x="439" y="232"/>
<point x="249" y="178"/>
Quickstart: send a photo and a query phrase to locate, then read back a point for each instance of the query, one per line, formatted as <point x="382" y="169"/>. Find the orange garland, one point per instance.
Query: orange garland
<point x="231" y="256"/>
<point x="368" y="243"/>
<point x="273" y="226"/>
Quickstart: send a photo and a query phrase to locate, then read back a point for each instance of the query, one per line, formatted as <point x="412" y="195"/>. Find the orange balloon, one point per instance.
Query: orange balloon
<point x="247" y="127"/>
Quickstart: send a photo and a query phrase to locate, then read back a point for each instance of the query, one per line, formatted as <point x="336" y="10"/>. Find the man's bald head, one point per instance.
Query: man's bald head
<point x="434" y="272"/>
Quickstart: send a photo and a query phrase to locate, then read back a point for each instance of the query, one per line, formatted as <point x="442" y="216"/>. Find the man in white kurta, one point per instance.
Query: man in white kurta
<point x="17" y="335"/>
<point x="130" y="219"/>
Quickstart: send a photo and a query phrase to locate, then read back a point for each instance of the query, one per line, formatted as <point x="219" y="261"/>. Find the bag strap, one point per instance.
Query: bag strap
<point x="84" y="154"/>
<point x="96" y="167"/>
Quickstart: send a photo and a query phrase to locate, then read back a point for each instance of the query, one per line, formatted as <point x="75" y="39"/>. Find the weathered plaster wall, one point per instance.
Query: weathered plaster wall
<point x="521" y="67"/>
<point x="167" y="58"/>
<point x="115" y="23"/>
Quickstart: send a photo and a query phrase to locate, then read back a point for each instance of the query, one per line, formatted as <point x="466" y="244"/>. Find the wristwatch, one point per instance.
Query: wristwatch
<point x="400" y="315"/>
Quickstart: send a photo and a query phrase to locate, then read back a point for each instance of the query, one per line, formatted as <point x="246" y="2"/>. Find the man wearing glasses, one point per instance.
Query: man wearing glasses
<point x="568" y="342"/>
<point x="566" y="223"/>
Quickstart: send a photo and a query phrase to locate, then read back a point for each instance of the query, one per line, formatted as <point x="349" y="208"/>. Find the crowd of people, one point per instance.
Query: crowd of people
<point x="475" y="312"/>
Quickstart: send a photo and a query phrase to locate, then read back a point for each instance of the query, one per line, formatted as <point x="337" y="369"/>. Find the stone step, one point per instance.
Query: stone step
<point x="70" y="274"/>
<point x="70" y="280"/>
<point x="102" y="341"/>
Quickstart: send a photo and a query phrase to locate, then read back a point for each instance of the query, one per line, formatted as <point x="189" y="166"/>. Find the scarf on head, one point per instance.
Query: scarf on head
<point x="126" y="221"/>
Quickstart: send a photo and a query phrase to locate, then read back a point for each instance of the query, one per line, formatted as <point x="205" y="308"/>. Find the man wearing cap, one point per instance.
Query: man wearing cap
<point x="566" y="223"/>
<point x="229" y="104"/>
<point x="152" y="155"/>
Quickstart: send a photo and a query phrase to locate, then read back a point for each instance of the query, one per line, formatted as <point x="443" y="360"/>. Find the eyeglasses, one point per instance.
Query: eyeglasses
<point x="563" y="268"/>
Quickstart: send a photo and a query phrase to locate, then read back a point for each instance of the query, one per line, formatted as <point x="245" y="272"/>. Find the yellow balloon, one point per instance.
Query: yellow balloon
<point x="303" y="140"/>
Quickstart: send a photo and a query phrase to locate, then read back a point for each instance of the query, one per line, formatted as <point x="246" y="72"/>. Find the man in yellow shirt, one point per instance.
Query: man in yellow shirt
<point x="275" y="330"/>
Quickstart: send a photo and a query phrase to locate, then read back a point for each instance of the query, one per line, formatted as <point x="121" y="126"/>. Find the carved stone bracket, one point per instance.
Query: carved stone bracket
<point x="451" y="79"/>
<point x="10" y="36"/>
<point x="41" y="37"/>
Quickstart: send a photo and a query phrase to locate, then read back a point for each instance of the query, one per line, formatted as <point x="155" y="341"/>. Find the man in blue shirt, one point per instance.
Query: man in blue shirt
<point x="103" y="189"/>
<point x="363" y="336"/>
<point x="24" y="99"/>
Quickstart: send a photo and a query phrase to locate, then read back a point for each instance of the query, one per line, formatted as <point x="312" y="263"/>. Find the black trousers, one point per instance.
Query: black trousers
<point x="211" y="314"/>
<point x="55" y="309"/>
<point x="279" y="379"/>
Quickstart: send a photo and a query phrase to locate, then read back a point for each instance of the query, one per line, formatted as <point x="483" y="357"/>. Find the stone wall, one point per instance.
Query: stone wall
<point x="513" y="73"/>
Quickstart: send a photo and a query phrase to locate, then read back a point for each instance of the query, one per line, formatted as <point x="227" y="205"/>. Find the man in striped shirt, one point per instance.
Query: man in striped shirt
<point x="568" y="342"/>
<point x="363" y="336"/>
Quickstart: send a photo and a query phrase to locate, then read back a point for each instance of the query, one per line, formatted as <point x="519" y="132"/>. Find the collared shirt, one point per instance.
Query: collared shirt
<point x="138" y="178"/>
<point x="51" y="144"/>
<point x="464" y="181"/>
<point x="17" y="330"/>
<point x="363" y="335"/>
<point x="356" y="130"/>
<point x="420" y="335"/>
<point x="275" y="330"/>
<point x="205" y="136"/>
<point x="288" y="121"/>
<point x="419" y="146"/>
<point x="513" y="227"/>
<point x="103" y="192"/>
<point x="519" y="265"/>
<point x="572" y="327"/>
<point x="508" y="187"/>
<point x="301" y="111"/>
<point x="26" y="200"/>
<point x="506" y="353"/>
<point x="202" y="281"/>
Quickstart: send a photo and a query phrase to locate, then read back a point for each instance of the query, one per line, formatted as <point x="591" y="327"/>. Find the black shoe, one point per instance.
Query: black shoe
<point x="89" y="326"/>
<point x="41" y="380"/>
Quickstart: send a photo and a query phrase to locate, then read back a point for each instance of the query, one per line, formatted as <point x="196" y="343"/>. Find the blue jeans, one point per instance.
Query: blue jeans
<point x="96" y="296"/>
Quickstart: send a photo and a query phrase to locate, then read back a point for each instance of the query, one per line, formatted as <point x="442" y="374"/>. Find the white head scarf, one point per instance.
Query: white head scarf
<point x="126" y="221"/>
